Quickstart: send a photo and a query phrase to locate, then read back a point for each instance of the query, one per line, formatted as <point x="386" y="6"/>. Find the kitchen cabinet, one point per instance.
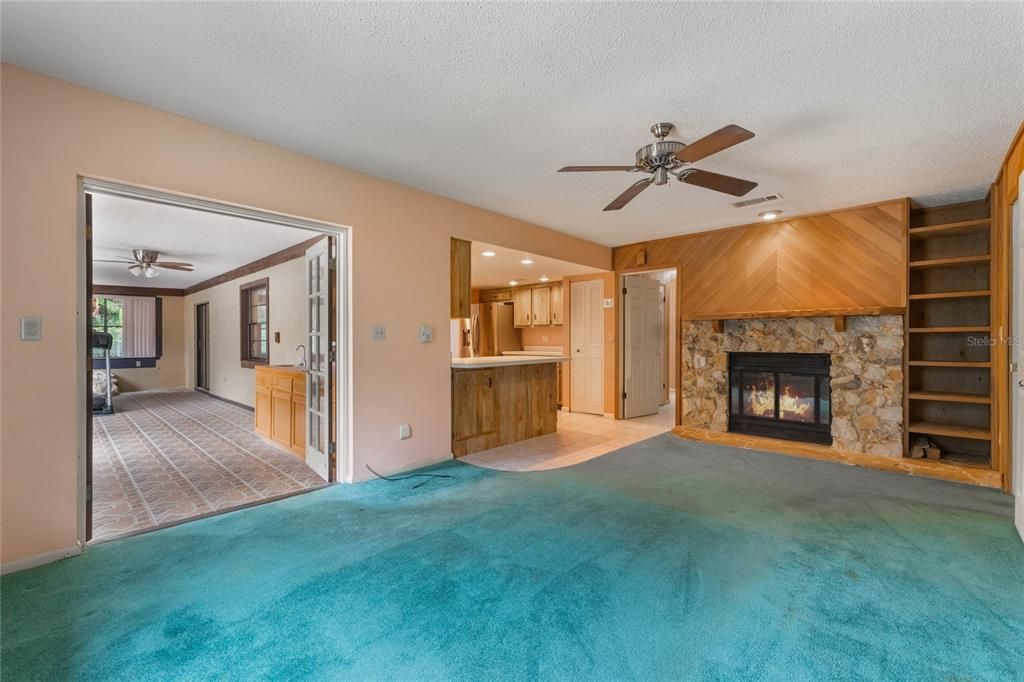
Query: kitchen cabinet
<point x="522" y="307"/>
<point x="495" y="295"/>
<point x="541" y="303"/>
<point x="461" y="294"/>
<point x="557" y="309"/>
<point x="281" y="407"/>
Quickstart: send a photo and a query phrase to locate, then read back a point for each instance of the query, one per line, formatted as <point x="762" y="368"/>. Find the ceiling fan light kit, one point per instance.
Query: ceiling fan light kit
<point x="668" y="157"/>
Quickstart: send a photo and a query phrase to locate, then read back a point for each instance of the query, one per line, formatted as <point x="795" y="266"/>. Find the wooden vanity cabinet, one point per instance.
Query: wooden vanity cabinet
<point x="281" y="407"/>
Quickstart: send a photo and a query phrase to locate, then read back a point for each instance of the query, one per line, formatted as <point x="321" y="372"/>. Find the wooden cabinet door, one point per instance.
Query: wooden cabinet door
<point x="541" y="302"/>
<point x="472" y="403"/>
<point x="460" y="278"/>
<point x="557" y="308"/>
<point x="298" y="442"/>
<point x="522" y="307"/>
<point x="263" y="411"/>
<point x="281" y="417"/>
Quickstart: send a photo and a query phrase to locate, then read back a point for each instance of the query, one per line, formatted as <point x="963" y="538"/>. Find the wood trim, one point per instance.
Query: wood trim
<point x="243" y="322"/>
<point x="915" y="467"/>
<point x="117" y="290"/>
<point x="818" y="312"/>
<point x="90" y="290"/>
<point x="282" y="256"/>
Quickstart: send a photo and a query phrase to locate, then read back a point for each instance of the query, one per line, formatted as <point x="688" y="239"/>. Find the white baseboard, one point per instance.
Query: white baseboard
<point x="39" y="559"/>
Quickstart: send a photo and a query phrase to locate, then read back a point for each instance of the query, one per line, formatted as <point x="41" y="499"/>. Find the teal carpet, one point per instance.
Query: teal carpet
<point x="667" y="560"/>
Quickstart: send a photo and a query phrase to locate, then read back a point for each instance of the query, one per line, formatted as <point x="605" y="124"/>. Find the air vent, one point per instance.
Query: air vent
<point x="758" y="200"/>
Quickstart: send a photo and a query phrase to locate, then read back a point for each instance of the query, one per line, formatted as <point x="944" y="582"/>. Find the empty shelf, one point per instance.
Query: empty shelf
<point x="950" y="397"/>
<point x="972" y="432"/>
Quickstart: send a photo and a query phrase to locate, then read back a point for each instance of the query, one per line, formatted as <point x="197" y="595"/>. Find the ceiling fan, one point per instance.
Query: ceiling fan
<point x="145" y="262"/>
<point x="667" y="157"/>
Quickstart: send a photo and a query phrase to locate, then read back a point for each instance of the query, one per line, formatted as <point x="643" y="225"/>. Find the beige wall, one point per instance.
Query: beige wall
<point x="170" y="367"/>
<point x="53" y="132"/>
<point x="228" y="379"/>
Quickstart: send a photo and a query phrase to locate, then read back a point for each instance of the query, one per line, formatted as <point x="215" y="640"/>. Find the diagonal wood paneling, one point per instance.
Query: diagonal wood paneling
<point x="850" y="259"/>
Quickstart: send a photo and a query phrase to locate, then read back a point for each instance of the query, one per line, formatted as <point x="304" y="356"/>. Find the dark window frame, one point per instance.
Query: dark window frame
<point x="134" y="363"/>
<point x="244" y="320"/>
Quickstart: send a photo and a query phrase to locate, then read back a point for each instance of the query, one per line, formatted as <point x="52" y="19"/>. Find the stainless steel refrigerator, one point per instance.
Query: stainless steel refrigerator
<point x="492" y="329"/>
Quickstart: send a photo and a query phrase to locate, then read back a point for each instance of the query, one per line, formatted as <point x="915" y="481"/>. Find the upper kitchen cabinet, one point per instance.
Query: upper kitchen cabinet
<point x="461" y="296"/>
<point x="522" y="307"/>
<point x="541" y="303"/>
<point x="556" y="304"/>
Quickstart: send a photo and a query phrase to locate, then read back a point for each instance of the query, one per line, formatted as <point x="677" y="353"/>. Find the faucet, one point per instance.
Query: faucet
<point x="302" y="358"/>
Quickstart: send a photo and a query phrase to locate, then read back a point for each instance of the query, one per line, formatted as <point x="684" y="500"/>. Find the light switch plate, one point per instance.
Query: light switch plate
<point x="379" y="332"/>
<point x="609" y="303"/>
<point x="426" y="333"/>
<point x="404" y="432"/>
<point x="31" y="328"/>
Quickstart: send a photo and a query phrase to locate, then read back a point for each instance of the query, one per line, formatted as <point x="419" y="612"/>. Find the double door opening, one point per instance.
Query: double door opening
<point x="180" y="439"/>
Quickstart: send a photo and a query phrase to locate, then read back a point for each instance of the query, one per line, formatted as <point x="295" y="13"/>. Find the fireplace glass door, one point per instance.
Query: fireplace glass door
<point x="783" y="395"/>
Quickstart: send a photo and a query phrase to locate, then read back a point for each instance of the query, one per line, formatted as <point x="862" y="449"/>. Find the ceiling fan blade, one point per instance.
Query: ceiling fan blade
<point x="171" y="262"/>
<point x="720" y="183"/>
<point x="110" y="260"/>
<point x="589" y="169"/>
<point x="715" y="142"/>
<point x="629" y="194"/>
<point x="184" y="267"/>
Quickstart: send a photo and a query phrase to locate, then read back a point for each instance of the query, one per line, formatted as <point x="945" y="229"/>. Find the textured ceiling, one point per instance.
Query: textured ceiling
<point x="851" y="102"/>
<point x="213" y="243"/>
<point x="507" y="265"/>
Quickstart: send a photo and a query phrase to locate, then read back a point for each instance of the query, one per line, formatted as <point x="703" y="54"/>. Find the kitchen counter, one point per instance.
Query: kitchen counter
<point x="506" y="361"/>
<point x="502" y="400"/>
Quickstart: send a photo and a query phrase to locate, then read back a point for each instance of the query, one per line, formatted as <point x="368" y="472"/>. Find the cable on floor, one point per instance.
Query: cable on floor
<point x="402" y="478"/>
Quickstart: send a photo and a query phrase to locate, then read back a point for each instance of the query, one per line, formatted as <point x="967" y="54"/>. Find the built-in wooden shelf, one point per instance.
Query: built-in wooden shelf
<point x="971" y="432"/>
<point x="949" y="262"/>
<point x="949" y="363"/>
<point x="950" y="229"/>
<point x="980" y="293"/>
<point x="951" y="397"/>
<point x="948" y="330"/>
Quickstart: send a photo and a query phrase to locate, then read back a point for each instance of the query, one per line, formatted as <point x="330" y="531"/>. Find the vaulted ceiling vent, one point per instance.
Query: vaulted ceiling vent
<point x="757" y="200"/>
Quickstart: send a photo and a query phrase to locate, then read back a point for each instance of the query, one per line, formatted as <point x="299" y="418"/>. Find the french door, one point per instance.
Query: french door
<point x="320" y="353"/>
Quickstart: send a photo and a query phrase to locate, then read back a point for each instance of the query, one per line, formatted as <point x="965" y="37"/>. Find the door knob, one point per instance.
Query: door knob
<point x="1020" y="383"/>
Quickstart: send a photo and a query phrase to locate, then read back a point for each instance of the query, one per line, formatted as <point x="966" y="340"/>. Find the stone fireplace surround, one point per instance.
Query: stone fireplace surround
<point x="866" y="374"/>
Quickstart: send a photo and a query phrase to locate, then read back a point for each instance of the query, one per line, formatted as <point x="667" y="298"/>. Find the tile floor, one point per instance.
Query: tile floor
<point x="166" y="456"/>
<point x="579" y="437"/>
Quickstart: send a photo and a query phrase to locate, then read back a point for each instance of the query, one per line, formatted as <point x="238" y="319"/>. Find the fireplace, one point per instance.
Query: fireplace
<point x="782" y="395"/>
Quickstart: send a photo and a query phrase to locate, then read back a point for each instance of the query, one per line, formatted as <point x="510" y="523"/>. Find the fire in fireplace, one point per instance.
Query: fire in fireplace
<point x="783" y="395"/>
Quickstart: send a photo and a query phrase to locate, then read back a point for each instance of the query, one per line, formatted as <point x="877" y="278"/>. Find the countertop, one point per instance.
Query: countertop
<point x="506" y="361"/>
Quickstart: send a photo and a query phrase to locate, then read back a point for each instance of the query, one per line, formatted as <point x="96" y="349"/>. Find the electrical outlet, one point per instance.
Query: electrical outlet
<point x="404" y="432"/>
<point x="426" y="333"/>
<point x="379" y="332"/>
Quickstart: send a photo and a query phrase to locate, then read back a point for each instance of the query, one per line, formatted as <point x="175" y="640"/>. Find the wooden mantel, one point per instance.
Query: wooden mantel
<point x="838" y="315"/>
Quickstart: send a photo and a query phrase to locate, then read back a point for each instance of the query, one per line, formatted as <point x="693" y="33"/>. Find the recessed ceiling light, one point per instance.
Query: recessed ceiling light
<point x="513" y="283"/>
<point x="487" y="254"/>
<point x="526" y="261"/>
<point x="544" y="278"/>
<point x="769" y="215"/>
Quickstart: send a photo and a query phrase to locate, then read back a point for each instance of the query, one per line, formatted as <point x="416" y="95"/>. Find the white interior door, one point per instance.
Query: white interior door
<point x="644" y="345"/>
<point x="587" y="340"/>
<point x="1017" y="357"/>
<point x="319" y="357"/>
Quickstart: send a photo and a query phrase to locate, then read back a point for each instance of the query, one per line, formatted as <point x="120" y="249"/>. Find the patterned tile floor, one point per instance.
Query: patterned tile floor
<point x="579" y="437"/>
<point x="166" y="456"/>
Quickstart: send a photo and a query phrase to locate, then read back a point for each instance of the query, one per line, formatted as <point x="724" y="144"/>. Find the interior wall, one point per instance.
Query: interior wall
<point x="170" y="366"/>
<point x="54" y="132"/>
<point x="228" y="378"/>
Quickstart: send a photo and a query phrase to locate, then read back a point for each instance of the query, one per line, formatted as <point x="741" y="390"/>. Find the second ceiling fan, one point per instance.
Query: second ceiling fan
<point x="667" y="157"/>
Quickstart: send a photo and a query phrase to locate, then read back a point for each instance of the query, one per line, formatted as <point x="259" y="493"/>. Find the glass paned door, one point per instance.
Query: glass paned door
<point x="318" y="361"/>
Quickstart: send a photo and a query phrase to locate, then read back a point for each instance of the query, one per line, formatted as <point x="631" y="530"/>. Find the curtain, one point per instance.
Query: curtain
<point x="139" y="319"/>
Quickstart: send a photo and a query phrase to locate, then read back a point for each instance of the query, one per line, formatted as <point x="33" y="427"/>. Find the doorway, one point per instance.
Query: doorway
<point x="184" y="439"/>
<point x="1016" y="359"/>
<point x="649" y="342"/>
<point x="587" y="343"/>
<point x="203" y="346"/>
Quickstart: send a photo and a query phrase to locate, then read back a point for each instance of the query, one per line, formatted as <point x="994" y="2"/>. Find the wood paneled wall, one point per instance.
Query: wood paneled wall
<point x="843" y="262"/>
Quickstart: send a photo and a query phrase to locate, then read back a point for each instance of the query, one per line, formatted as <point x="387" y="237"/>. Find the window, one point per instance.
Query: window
<point x="134" y="322"/>
<point x="108" y="316"/>
<point x="255" y="317"/>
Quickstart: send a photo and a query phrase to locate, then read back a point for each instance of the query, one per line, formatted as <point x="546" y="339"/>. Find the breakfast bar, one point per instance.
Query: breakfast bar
<point x="502" y="400"/>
